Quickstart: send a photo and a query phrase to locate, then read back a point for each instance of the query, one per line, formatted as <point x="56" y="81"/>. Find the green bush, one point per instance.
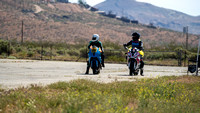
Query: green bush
<point x="11" y="57"/>
<point x="30" y="54"/>
<point x="18" y="49"/>
<point x="4" y="47"/>
<point x="61" y="52"/>
<point x="116" y="59"/>
<point x="73" y="53"/>
<point x="112" y="45"/>
<point x="83" y="52"/>
<point x="22" y="54"/>
<point x="161" y="56"/>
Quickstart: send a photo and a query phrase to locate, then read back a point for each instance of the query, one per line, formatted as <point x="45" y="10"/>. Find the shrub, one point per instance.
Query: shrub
<point x="4" y="46"/>
<point x="30" y="53"/>
<point x="116" y="59"/>
<point x="112" y="45"/>
<point x="11" y="57"/>
<point x="61" y="52"/>
<point x="83" y="52"/>
<point x="73" y="53"/>
<point x="22" y="54"/>
<point x="161" y="56"/>
<point x="18" y="49"/>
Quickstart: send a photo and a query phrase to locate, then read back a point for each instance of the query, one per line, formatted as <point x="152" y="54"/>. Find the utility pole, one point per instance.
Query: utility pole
<point x="185" y="30"/>
<point x="22" y="37"/>
<point x="197" y="64"/>
<point x="42" y="46"/>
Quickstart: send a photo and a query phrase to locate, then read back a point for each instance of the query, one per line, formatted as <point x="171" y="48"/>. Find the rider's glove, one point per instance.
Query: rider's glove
<point x="124" y="45"/>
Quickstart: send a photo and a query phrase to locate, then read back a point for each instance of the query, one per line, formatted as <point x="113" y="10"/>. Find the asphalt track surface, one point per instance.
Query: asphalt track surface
<point x="23" y="73"/>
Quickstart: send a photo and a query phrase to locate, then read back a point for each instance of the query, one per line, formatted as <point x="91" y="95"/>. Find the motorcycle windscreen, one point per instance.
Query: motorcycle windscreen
<point x="95" y="53"/>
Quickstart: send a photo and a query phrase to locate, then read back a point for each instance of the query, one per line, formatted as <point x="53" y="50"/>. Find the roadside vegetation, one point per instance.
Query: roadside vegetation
<point x="114" y="52"/>
<point x="61" y="32"/>
<point x="165" y="94"/>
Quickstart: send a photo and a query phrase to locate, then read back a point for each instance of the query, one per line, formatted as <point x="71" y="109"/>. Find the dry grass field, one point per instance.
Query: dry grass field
<point x="70" y="23"/>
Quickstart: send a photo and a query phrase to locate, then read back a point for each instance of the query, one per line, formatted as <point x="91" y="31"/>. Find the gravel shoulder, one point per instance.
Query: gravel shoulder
<point x="22" y="73"/>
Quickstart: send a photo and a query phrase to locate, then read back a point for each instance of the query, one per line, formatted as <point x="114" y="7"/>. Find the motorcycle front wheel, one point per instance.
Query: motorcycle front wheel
<point x="95" y="69"/>
<point x="132" y="69"/>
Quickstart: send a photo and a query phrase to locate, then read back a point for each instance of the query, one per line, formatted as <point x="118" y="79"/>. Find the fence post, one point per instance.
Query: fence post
<point x="8" y="49"/>
<point x="197" y="63"/>
<point x="22" y="31"/>
<point x="185" y="58"/>
<point x="41" y="51"/>
<point x="86" y="54"/>
<point x="179" y="57"/>
<point x="51" y="48"/>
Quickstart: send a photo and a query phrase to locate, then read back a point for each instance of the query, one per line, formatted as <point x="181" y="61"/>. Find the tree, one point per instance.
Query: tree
<point x="83" y="3"/>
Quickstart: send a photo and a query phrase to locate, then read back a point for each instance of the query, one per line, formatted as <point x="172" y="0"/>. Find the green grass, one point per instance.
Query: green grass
<point x="165" y="94"/>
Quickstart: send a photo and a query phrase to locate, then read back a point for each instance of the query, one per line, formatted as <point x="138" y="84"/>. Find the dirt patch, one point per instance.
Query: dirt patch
<point x="38" y="9"/>
<point x="74" y="8"/>
<point x="186" y="79"/>
<point x="132" y="105"/>
<point x="51" y="6"/>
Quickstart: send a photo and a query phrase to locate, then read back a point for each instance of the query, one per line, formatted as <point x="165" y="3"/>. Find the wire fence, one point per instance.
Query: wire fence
<point x="52" y="52"/>
<point x="178" y="57"/>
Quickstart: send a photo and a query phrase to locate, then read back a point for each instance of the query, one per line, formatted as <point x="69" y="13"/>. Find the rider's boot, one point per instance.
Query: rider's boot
<point x="141" y="72"/>
<point x="88" y="67"/>
<point x="141" y="64"/>
<point x="141" y="67"/>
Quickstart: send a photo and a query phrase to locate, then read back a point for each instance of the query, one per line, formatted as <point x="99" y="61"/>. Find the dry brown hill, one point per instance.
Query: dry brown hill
<point x="70" y="23"/>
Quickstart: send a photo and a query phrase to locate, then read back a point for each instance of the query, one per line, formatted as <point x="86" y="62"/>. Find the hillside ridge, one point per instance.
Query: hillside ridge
<point x="147" y="13"/>
<point x="71" y="23"/>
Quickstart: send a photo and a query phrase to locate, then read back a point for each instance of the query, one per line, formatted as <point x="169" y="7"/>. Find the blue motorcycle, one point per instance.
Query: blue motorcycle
<point x="95" y="59"/>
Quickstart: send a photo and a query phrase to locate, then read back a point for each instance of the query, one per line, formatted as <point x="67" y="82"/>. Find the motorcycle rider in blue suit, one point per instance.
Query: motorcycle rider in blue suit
<point x="95" y="42"/>
<point x="136" y="42"/>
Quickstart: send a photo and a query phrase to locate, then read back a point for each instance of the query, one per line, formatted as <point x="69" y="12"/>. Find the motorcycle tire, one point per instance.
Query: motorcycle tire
<point x="95" y="69"/>
<point x="131" y="69"/>
<point x="98" y="71"/>
<point x="136" y="73"/>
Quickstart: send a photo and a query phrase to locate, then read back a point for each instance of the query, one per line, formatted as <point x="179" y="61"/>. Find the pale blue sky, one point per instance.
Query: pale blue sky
<point x="191" y="7"/>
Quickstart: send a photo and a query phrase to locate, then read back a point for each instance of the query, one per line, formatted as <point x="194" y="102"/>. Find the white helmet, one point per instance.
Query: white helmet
<point x="95" y="37"/>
